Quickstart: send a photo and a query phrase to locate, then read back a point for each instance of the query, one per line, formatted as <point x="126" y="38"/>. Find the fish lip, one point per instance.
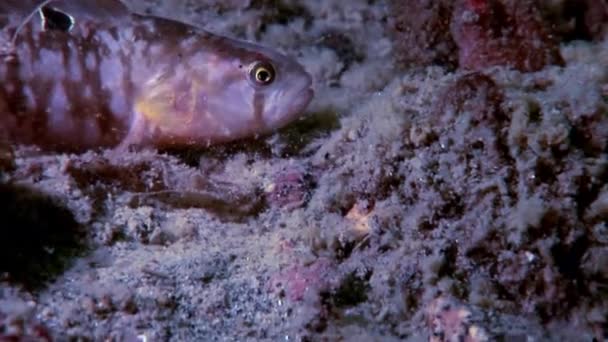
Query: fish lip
<point x="305" y="95"/>
<point x="308" y="94"/>
<point x="302" y="101"/>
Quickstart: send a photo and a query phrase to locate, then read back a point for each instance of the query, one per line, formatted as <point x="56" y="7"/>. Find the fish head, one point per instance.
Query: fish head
<point x="231" y="91"/>
<point x="281" y="89"/>
<point x="255" y="90"/>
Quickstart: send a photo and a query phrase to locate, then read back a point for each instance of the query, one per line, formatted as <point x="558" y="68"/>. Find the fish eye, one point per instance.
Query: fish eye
<point x="262" y="73"/>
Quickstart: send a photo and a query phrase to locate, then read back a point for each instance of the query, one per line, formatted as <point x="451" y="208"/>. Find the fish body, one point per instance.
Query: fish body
<point x="85" y="74"/>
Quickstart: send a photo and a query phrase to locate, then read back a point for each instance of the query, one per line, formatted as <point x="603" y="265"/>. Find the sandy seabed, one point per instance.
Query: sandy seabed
<point x="416" y="200"/>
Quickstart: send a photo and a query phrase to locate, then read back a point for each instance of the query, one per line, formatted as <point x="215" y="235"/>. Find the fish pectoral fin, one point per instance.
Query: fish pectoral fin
<point x="168" y="106"/>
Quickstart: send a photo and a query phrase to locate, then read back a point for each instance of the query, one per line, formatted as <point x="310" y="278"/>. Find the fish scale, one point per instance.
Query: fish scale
<point x="113" y="78"/>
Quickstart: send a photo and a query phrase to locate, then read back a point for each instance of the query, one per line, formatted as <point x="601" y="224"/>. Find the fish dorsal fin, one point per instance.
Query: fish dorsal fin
<point x="62" y="14"/>
<point x="89" y="8"/>
<point x="18" y="7"/>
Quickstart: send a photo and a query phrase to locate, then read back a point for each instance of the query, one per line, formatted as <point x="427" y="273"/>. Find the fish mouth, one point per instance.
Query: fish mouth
<point x="298" y="106"/>
<point x="307" y="94"/>
<point x="295" y="108"/>
<point x="304" y="95"/>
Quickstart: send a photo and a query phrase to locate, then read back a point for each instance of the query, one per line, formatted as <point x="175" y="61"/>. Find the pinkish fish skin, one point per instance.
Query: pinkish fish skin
<point x="117" y="79"/>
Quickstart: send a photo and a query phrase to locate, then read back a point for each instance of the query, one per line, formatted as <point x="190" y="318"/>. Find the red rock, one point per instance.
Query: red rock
<point x="7" y="157"/>
<point x="502" y="33"/>
<point x="297" y="280"/>
<point x="596" y="18"/>
<point x="421" y="31"/>
<point x="290" y="188"/>
<point x="473" y="102"/>
<point x="473" y="93"/>
<point x="449" y="320"/>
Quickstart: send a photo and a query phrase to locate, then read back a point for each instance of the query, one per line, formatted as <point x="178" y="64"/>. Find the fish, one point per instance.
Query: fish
<point x="77" y="75"/>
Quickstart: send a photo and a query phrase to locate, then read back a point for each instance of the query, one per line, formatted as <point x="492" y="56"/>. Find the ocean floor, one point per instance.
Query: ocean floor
<point x="448" y="182"/>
